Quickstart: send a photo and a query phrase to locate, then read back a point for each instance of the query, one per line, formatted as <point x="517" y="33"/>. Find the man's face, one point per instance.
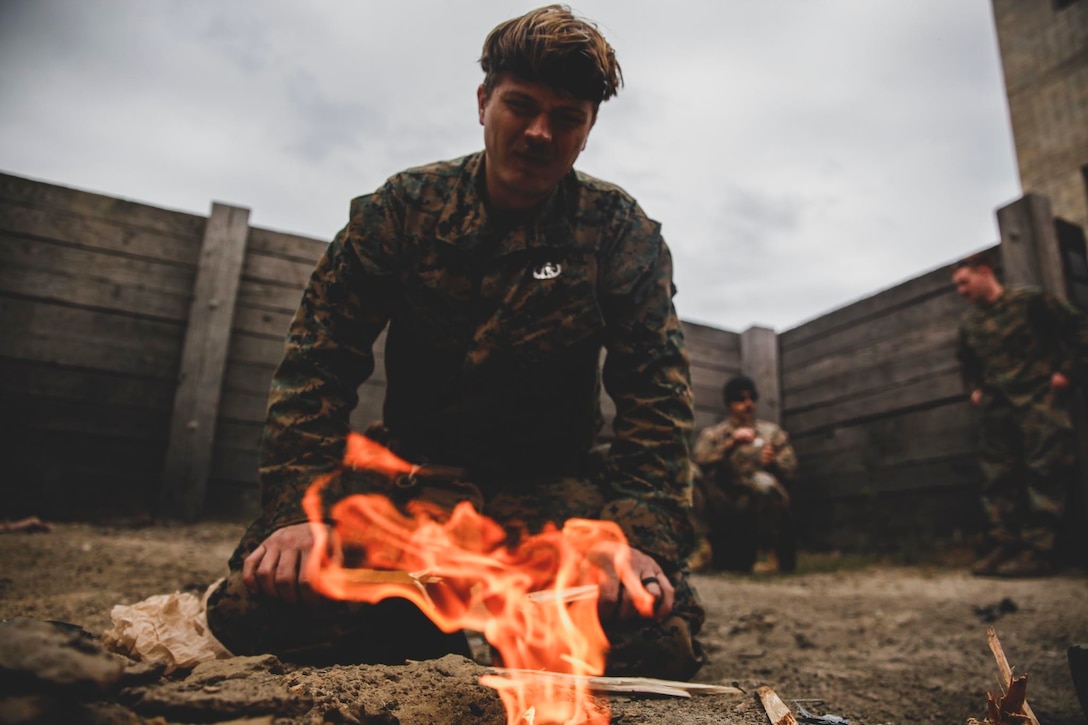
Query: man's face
<point x="972" y="283"/>
<point x="743" y="409"/>
<point x="533" y="134"/>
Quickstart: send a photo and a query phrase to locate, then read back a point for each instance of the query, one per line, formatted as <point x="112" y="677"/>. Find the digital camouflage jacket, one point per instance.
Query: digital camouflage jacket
<point x="725" y="464"/>
<point x="1011" y="347"/>
<point x="493" y="349"/>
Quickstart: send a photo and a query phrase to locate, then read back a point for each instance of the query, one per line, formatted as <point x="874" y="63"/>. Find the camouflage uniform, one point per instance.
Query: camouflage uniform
<point x="1009" y="349"/>
<point x="496" y="327"/>
<point x="743" y="503"/>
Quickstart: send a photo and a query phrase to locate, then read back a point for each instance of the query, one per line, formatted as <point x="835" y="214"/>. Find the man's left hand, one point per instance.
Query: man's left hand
<point x="1058" y="381"/>
<point x="645" y="592"/>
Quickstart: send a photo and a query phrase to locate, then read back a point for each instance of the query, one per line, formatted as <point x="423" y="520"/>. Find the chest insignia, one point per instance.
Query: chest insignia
<point x="548" y="270"/>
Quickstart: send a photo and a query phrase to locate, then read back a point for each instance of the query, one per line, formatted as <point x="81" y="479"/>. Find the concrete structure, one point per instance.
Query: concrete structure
<point x="1044" y="53"/>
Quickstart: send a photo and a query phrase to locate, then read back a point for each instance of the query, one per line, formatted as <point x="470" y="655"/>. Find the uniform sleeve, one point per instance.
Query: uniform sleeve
<point x="785" y="459"/>
<point x="710" y="446"/>
<point x="328" y="355"/>
<point x="647" y="375"/>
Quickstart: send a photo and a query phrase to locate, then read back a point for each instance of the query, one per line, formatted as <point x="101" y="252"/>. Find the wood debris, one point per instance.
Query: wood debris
<point x="648" y="685"/>
<point x="776" y="710"/>
<point x="1010" y="707"/>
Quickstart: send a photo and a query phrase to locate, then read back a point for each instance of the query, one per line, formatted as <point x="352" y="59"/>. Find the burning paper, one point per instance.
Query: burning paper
<point x="535" y="603"/>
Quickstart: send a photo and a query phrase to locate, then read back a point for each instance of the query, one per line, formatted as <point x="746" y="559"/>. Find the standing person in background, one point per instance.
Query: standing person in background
<point x="1020" y="349"/>
<point x="742" y="499"/>
<point x="501" y="275"/>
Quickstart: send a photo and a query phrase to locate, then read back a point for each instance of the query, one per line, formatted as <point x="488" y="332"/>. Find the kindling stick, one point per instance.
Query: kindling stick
<point x="650" y="685"/>
<point x="1006" y="671"/>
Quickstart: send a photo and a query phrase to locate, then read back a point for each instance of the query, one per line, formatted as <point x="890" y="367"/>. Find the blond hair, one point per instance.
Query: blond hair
<point x="551" y="45"/>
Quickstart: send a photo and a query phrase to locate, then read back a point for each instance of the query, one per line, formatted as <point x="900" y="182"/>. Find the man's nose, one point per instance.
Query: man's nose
<point x="540" y="129"/>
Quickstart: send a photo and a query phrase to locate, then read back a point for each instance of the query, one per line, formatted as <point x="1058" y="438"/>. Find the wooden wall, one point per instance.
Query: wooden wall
<point x="103" y="301"/>
<point x="873" y="401"/>
<point x="96" y="296"/>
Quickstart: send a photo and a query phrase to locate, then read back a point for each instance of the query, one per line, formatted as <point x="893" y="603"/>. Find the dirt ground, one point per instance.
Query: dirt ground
<point x="868" y="641"/>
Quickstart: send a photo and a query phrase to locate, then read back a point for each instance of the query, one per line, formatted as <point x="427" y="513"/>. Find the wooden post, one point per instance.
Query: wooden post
<point x="203" y="360"/>
<point x="1029" y="245"/>
<point x="759" y="361"/>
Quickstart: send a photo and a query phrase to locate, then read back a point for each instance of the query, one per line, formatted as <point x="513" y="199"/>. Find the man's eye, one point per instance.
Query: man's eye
<point x="568" y="120"/>
<point x="520" y="107"/>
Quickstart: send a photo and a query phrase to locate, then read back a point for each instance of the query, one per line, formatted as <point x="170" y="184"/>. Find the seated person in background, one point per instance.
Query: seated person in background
<point x="741" y="501"/>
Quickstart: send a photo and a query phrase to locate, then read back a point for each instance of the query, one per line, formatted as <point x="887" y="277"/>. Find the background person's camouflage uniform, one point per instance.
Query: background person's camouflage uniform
<point x="1009" y="349"/>
<point x="741" y="503"/>
<point x="492" y="365"/>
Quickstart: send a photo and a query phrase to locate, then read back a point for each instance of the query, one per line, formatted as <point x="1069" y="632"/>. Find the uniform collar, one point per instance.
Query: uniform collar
<point x="465" y="219"/>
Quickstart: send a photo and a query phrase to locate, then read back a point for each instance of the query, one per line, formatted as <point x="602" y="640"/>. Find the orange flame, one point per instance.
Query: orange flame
<point x="463" y="576"/>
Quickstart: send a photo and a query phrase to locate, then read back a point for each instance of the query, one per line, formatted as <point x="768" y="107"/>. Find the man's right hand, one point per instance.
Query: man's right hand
<point x="744" y="435"/>
<point x="976" y="396"/>
<point x="277" y="568"/>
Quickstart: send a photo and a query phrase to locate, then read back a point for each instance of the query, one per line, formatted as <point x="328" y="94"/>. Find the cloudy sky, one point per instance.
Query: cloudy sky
<point x="800" y="154"/>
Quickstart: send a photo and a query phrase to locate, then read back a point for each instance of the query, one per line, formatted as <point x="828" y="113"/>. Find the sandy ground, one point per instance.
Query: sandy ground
<point x="873" y="643"/>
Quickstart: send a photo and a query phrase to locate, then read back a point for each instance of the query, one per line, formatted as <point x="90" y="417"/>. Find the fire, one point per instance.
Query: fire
<point x="456" y="567"/>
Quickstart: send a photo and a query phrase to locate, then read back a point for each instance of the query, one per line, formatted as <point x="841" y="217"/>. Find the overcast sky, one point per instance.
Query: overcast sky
<point x="800" y="154"/>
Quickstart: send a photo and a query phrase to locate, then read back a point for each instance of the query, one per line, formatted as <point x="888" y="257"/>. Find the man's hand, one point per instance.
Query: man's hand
<point x="648" y="589"/>
<point x="277" y="568"/>
<point x="976" y="397"/>
<point x="744" y="435"/>
<point x="766" y="455"/>
<point x="1059" y="381"/>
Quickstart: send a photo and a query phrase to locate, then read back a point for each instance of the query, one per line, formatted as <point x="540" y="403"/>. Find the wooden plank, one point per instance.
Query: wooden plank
<point x="234" y="465"/>
<point x="239" y="435"/>
<point x="288" y="273"/>
<point x="940" y="386"/>
<point x="83" y="203"/>
<point x="105" y="235"/>
<point x="203" y="359"/>
<point x="938" y="433"/>
<point x="712" y="348"/>
<point x="41" y="270"/>
<point x="28" y="378"/>
<point x="889" y="521"/>
<point x="887" y="364"/>
<point x="704" y="418"/>
<point x="264" y="323"/>
<point x="269" y="296"/>
<point x="252" y="350"/>
<point x="927" y="475"/>
<point x="707" y="387"/>
<point x="62" y="459"/>
<point x="76" y="337"/>
<point x="240" y="405"/>
<point x="903" y="295"/>
<point x="759" y="361"/>
<point x="248" y="378"/>
<point x="285" y="245"/>
<point x="941" y="308"/>
<point x="69" y="418"/>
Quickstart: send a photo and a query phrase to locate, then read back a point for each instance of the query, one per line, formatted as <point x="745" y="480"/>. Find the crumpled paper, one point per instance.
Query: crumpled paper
<point x="171" y="629"/>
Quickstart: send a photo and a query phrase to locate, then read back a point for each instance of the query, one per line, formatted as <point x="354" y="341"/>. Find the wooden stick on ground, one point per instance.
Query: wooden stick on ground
<point x="1006" y="671"/>
<point x="650" y="685"/>
<point x="776" y="710"/>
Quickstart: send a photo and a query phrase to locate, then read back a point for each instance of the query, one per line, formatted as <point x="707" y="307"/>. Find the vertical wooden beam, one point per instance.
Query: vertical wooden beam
<point x="759" y="361"/>
<point x="1029" y="245"/>
<point x="203" y="360"/>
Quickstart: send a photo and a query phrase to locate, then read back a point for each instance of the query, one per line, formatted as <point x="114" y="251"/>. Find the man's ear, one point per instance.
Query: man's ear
<point x="481" y="101"/>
